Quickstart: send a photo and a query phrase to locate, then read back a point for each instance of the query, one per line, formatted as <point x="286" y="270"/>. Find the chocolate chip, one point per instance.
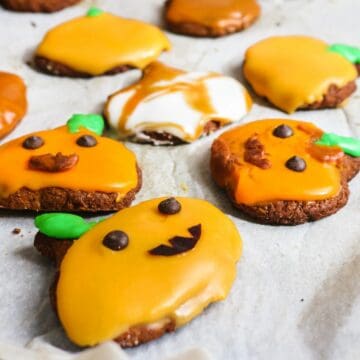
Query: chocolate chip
<point x="169" y="206"/>
<point x="296" y="163"/>
<point x="283" y="131"/>
<point x="33" y="142"/>
<point x="86" y="141"/>
<point x="116" y="240"/>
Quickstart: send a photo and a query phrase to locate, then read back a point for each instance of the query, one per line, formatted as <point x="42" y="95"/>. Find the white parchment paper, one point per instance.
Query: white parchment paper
<point x="296" y="295"/>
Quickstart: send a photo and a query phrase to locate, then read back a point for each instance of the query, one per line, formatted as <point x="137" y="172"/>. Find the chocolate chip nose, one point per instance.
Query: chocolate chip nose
<point x="53" y="163"/>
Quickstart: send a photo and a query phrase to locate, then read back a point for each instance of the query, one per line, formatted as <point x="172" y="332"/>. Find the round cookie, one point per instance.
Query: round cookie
<point x="46" y="6"/>
<point x="13" y="103"/>
<point x="145" y="271"/>
<point x="169" y="106"/>
<point x="285" y="172"/>
<point x="99" y="43"/>
<point x="300" y="72"/>
<point x="210" y="18"/>
<point x="70" y="168"/>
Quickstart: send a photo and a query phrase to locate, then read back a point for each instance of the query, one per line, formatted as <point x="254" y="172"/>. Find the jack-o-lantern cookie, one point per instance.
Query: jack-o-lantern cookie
<point x="13" y="103"/>
<point x="285" y="171"/>
<point x="99" y="43"/>
<point x="145" y="271"/>
<point x="300" y="72"/>
<point x="70" y="168"/>
<point x="46" y="6"/>
<point x="210" y="18"/>
<point x="169" y="106"/>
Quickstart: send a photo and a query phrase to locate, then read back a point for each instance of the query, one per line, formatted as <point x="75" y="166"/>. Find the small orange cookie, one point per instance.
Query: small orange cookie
<point x="46" y="6"/>
<point x="13" y="103"/>
<point x="299" y="72"/>
<point x="97" y="44"/>
<point x="210" y="18"/>
<point x="145" y="271"/>
<point x="70" y="168"/>
<point x="284" y="171"/>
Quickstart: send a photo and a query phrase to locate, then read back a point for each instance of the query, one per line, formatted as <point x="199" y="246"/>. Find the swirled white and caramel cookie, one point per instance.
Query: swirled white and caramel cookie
<point x="145" y="271"/>
<point x="99" y="43"/>
<point x="285" y="172"/>
<point x="301" y="72"/>
<point x="70" y="168"/>
<point x="210" y="18"/>
<point x="169" y="106"/>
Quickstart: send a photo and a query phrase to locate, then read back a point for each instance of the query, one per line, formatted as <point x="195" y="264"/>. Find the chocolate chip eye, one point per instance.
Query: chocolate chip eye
<point x="283" y="131"/>
<point x="33" y="142"/>
<point x="116" y="240"/>
<point x="86" y="141"/>
<point x="169" y="206"/>
<point x="296" y="163"/>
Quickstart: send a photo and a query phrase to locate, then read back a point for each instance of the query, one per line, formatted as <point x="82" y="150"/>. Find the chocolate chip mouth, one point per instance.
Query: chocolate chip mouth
<point x="53" y="163"/>
<point x="179" y="244"/>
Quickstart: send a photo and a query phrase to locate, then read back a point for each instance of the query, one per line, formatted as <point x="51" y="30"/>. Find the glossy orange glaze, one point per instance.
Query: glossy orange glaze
<point x="109" y="166"/>
<point x="212" y="13"/>
<point x="249" y="184"/>
<point x="13" y="102"/>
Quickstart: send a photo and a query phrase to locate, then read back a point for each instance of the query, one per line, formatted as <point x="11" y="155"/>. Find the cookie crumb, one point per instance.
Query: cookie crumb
<point x="16" y="231"/>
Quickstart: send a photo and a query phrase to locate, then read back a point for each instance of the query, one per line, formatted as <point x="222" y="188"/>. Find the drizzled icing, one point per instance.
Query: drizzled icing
<point x="117" y="174"/>
<point x="217" y="14"/>
<point x="131" y="287"/>
<point x="176" y="102"/>
<point x="97" y="44"/>
<point x="250" y="184"/>
<point x="13" y="103"/>
<point x="295" y="71"/>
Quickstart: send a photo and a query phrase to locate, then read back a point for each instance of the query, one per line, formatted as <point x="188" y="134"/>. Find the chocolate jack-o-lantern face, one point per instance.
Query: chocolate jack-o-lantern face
<point x="280" y="159"/>
<point x="74" y="156"/>
<point x="145" y="267"/>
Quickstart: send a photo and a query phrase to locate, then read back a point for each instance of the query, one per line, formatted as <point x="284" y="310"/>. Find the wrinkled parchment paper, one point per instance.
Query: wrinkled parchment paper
<point x="297" y="290"/>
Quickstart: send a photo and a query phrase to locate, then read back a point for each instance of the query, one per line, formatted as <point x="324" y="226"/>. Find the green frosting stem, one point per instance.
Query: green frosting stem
<point x="94" y="11"/>
<point x="350" y="53"/>
<point x="92" y="122"/>
<point x="63" y="226"/>
<point x="349" y="145"/>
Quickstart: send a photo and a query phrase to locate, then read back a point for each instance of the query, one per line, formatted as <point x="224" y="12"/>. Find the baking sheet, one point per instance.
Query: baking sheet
<point x="297" y="290"/>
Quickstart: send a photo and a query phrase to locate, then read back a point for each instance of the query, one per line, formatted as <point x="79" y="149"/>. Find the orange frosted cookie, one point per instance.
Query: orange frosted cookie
<point x="13" y="103"/>
<point x="282" y="171"/>
<point x="99" y="43"/>
<point x="210" y="17"/>
<point x="70" y="168"/>
<point x="145" y="271"/>
<point x="300" y="72"/>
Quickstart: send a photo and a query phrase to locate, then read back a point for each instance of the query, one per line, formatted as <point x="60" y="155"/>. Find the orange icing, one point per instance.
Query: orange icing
<point x="97" y="44"/>
<point x="252" y="185"/>
<point x="295" y="71"/>
<point x="108" y="166"/>
<point x="213" y="13"/>
<point x="121" y="289"/>
<point x="13" y="102"/>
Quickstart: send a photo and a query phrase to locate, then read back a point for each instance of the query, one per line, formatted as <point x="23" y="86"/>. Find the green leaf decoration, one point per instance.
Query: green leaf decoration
<point x="349" y="145"/>
<point x="94" y="11"/>
<point x="92" y="122"/>
<point x="62" y="225"/>
<point x="350" y="53"/>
